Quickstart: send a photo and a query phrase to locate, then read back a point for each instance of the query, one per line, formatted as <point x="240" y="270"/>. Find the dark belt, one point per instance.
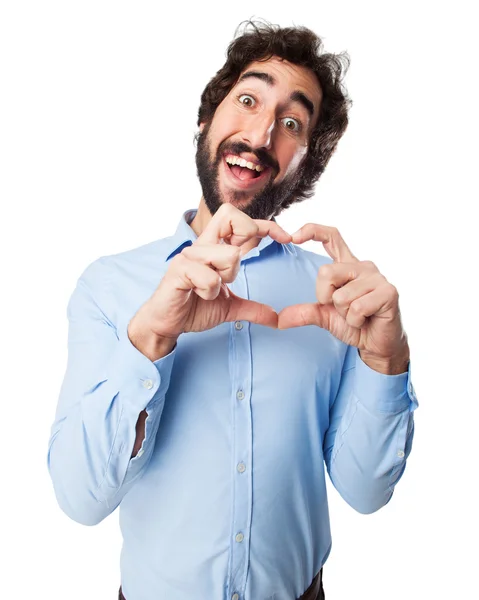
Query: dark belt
<point x="314" y="592"/>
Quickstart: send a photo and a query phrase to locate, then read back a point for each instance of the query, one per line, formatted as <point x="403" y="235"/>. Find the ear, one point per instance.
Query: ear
<point x="202" y="126"/>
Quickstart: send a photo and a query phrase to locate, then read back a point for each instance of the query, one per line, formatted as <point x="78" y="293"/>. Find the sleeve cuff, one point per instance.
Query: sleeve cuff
<point x="384" y="393"/>
<point x="139" y="379"/>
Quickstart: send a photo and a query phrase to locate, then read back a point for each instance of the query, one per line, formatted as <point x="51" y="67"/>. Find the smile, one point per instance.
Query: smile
<point x="245" y="174"/>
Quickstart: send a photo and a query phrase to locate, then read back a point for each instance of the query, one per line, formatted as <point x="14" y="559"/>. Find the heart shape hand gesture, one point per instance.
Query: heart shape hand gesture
<point x="355" y="302"/>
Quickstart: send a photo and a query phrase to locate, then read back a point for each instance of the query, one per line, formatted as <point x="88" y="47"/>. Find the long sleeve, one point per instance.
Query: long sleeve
<point x="370" y="433"/>
<point x="107" y="383"/>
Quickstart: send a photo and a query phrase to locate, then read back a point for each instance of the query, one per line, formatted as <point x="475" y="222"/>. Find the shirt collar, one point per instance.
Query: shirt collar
<point x="185" y="236"/>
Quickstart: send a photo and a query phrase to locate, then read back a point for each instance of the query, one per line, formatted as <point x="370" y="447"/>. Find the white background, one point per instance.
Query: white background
<point x="98" y="112"/>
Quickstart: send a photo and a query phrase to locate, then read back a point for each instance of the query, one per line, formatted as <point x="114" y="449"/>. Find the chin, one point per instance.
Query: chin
<point x="243" y="206"/>
<point x="237" y="198"/>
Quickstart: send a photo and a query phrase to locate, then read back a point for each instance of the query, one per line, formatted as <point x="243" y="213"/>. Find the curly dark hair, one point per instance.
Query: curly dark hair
<point x="257" y="41"/>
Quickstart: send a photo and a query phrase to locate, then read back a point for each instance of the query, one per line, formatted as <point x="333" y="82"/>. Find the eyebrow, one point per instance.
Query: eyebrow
<point x="270" y="80"/>
<point x="304" y="100"/>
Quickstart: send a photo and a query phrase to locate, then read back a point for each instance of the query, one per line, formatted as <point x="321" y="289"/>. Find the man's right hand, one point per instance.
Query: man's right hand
<point x="193" y="295"/>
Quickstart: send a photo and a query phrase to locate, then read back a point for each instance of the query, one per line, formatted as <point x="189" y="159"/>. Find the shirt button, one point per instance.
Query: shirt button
<point x="238" y="325"/>
<point x="240" y="395"/>
<point x="241" y="467"/>
<point x="235" y="597"/>
<point x="239" y="537"/>
<point x="148" y="384"/>
<point x="401" y="454"/>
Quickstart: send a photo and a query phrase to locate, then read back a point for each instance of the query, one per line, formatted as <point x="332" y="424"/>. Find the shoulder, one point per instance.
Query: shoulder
<point x="134" y="263"/>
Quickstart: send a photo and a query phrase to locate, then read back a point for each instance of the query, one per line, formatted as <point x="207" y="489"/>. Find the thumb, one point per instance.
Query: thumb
<point x="254" y="312"/>
<point x="299" y="315"/>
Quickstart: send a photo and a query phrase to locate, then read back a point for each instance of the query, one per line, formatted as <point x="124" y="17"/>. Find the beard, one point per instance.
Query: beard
<point x="266" y="203"/>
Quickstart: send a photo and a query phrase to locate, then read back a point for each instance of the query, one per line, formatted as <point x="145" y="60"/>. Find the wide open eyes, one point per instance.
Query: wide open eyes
<point x="247" y="100"/>
<point x="291" y="124"/>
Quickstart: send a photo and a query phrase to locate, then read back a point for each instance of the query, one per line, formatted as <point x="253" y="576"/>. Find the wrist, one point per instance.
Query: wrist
<point x="150" y="344"/>
<point x="394" y="365"/>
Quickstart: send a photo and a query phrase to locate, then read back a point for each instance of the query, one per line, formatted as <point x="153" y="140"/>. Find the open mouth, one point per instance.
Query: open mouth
<point x="245" y="173"/>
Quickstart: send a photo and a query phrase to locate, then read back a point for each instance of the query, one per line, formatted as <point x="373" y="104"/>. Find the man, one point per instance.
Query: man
<point x="212" y="374"/>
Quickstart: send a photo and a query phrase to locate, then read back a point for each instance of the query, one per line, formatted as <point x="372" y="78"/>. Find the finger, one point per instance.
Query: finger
<point x="254" y="312"/>
<point x="235" y="226"/>
<point x="332" y="276"/>
<point x="274" y="231"/>
<point x="343" y="297"/>
<point x="333" y="243"/>
<point x="190" y="275"/>
<point x="223" y="258"/>
<point x="378" y="302"/>
<point x="299" y="315"/>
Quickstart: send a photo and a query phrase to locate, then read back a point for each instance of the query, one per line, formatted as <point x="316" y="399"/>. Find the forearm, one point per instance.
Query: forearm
<point x="110" y="405"/>
<point x="96" y="430"/>
<point x="90" y="453"/>
<point x="370" y="457"/>
<point x="373" y="437"/>
<point x="154" y="347"/>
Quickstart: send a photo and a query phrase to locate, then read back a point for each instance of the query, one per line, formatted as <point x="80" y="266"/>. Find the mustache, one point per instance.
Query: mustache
<point x="239" y="147"/>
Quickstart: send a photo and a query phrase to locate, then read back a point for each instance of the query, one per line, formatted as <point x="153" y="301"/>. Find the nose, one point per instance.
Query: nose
<point x="258" y="131"/>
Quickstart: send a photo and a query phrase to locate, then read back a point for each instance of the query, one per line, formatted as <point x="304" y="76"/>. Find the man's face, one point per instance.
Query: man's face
<point x="265" y="120"/>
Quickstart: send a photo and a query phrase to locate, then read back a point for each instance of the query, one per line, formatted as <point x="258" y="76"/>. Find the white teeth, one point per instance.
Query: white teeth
<point x="236" y="160"/>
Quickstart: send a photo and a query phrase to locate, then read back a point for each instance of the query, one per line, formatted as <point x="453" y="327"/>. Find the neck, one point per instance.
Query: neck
<point x="202" y="219"/>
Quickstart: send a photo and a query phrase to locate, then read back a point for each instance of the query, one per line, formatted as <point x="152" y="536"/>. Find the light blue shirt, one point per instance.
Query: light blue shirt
<point x="227" y="494"/>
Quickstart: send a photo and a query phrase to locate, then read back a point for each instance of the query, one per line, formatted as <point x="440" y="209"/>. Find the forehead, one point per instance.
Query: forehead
<point x="288" y="77"/>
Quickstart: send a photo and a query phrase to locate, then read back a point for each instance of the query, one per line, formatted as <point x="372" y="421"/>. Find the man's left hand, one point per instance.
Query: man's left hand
<point x="355" y="303"/>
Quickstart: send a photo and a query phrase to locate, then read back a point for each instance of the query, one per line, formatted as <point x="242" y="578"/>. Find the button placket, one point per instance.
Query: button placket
<point x="240" y="370"/>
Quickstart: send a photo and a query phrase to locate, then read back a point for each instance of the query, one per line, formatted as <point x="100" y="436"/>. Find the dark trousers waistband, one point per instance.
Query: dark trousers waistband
<point x="314" y="592"/>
